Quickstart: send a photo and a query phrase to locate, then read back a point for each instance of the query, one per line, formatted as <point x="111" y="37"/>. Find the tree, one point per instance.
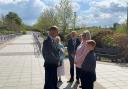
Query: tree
<point x="2" y="20"/>
<point x="60" y="15"/>
<point x="65" y="14"/>
<point x="127" y="19"/>
<point x="47" y="19"/>
<point x="115" y="25"/>
<point x="121" y="28"/>
<point x="13" y="21"/>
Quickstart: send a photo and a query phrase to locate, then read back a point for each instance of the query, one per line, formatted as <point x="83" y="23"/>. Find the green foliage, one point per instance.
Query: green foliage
<point x="5" y="32"/>
<point x="100" y="37"/>
<point x="0" y="22"/>
<point x="24" y="31"/>
<point x="115" y="25"/>
<point x="59" y="15"/>
<point x="65" y="14"/>
<point x="11" y="22"/>
<point x="122" y="43"/>
<point x="12" y="17"/>
<point x="121" y="28"/>
<point x="108" y="41"/>
<point x="47" y="19"/>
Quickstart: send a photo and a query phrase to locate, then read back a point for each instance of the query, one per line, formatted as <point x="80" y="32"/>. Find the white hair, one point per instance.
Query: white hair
<point x="57" y="37"/>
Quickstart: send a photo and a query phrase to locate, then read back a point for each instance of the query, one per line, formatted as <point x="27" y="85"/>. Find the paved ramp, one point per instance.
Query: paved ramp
<point x="22" y="68"/>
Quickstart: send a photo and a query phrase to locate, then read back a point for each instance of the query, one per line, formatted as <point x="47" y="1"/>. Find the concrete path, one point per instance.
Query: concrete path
<point x="74" y="85"/>
<point x="112" y="76"/>
<point x="22" y="68"/>
<point x="19" y="67"/>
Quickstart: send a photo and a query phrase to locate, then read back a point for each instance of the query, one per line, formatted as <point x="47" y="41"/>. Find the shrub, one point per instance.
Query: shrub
<point x="23" y="31"/>
<point x="121" y="28"/>
<point x="122" y="44"/>
<point x="101" y="36"/>
<point x="108" y="41"/>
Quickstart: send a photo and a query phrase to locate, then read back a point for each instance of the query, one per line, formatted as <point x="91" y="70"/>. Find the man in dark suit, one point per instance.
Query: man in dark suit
<point x="73" y="43"/>
<point x="51" y="57"/>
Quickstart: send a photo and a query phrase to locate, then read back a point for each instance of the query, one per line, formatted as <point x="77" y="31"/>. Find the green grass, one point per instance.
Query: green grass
<point x="121" y="29"/>
<point x="4" y="32"/>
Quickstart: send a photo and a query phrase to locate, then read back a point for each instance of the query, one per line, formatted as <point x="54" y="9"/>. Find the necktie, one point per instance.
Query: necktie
<point x="74" y="43"/>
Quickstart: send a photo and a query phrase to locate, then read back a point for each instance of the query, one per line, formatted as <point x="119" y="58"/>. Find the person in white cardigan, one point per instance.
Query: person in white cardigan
<point x="60" y="69"/>
<point x="85" y="60"/>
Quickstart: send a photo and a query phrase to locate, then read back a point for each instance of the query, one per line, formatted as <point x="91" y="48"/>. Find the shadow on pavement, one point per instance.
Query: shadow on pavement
<point x="59" y="84"/>
<point x="71" y="86"/>
<point x="122" y="64"/>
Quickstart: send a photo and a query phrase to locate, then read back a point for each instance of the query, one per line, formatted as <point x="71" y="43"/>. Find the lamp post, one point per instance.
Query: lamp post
<point x="74" y="24"/>
<point x="127" y="19"/>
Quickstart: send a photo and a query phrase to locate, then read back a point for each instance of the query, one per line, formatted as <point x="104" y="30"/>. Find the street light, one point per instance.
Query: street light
<point x="74" y="21"/>
<point x="127" y="18"/>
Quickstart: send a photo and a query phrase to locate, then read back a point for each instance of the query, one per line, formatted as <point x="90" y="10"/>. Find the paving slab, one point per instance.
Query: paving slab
<point x="22" y="68"/>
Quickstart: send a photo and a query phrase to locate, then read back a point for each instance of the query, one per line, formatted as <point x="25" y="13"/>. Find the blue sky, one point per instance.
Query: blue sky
<point x="89" y="12"/>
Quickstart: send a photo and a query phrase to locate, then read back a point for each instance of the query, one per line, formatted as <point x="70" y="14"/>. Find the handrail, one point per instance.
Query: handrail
<point x="36" y="39"/>
<point x="4" y="38"/>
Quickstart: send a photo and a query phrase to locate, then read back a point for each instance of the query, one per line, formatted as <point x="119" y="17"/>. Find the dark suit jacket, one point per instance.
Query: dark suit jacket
<point x="70" y="46"/>
<point x="50" y="53"/>
<point x="89" y="63"/>
<point x="89" y="66"/>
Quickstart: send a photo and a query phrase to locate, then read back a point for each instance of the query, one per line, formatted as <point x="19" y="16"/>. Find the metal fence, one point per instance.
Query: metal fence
<point x="37" y="42"/>
<point x="5" y="38"/>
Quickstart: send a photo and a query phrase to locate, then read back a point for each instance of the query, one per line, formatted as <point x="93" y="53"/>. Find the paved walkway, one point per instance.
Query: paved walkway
<point x="112" y="76"/>
<point x="20" y="68"/>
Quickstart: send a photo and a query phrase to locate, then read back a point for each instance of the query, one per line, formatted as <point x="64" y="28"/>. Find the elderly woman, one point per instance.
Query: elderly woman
<point x="85" y="61"/>
<point x="60" y="69"/>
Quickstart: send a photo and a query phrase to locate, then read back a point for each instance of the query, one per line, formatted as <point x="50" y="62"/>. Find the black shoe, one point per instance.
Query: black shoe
<point x="60" y="81"/>
<point x="70" y="81"/>
<point x="80" y="86"/>
<point x="56" y="88"/>
<point x="77" y="81"/>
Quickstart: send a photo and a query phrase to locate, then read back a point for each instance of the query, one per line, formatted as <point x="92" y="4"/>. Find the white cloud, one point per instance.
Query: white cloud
<point x="12" y="1"/>
<point x="89" y="12"/>
<point x="100" y="4"/>
<point x="81" y="1"/>
<point x="51" y="2"/>
<point x="105" y="15"/>
<point x="76" y="6"/>
<point x="103" y="12"/>
<point x="107" y="4"/>
<point x="30" y="22"/>
<point x="122" y="18"/>
<point x="39" y="4"/>
<point x="28" y="10"/>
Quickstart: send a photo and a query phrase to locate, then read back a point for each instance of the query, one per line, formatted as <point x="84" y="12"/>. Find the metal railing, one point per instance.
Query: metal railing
<point x="36" y="36"/>
<point x="5" y="38"/>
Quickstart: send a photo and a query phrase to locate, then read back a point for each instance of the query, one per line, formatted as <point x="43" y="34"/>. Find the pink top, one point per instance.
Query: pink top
<point x="81" y="53"/>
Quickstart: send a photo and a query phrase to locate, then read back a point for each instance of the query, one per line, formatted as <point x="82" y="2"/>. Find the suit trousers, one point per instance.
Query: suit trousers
<point x="50" y="77"/>
<point x="87" y="80"/>
<point x="71" y="60"/>
<point x="78" y="72"/>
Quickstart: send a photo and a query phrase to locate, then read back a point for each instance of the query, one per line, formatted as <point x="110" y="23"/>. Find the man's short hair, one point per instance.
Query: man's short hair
<point x="74" y="32"/>
<point x="54" y="28"/>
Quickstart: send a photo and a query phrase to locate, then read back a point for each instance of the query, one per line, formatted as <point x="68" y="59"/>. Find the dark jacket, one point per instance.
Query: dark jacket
<point x="71" y="47"/>
<point x="89" y="66"/>
<point x="89" y="63"/>
<point x="50" y="53"/>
